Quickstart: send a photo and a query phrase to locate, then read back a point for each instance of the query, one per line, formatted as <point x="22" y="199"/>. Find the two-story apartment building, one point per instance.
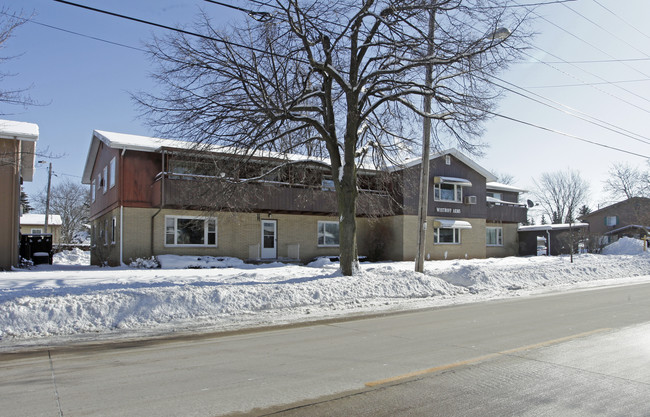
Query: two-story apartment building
<point x="152" y="196"/>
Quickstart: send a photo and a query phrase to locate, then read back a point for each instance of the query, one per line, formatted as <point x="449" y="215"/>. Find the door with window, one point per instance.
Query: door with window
<point x="269" y="239"/>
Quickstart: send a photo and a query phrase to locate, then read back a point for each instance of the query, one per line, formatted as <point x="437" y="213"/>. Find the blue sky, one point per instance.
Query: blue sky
<point x="84" y="84"/>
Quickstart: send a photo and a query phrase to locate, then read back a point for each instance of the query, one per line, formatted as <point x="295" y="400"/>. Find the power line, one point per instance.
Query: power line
<point x="622" y="20"/>
<point x="571" y="111"/>
<point x="73" y="32"/>
<point x="146" y="22"/>
<point x="548" y="129"/>
<point x="590" y="84"/>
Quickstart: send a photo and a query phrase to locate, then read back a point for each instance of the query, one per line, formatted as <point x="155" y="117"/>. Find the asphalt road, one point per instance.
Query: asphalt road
<point x="577" y="353"/>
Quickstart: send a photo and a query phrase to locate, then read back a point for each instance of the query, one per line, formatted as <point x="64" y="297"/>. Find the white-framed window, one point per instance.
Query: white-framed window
<point x="444" y="235"/>
<point x="328" y="233"/>
<point x="611" y="220"/>
<point x="113" y="230"/>
<point x="190" y="231"/>
<point x="100" y="182"/>
<point x="494" y="236"/>
<point x="447" y="160"/>
<point x="93" y="190"/>
<point x="112" y="173"/>
<point x="448" y="192"/>
<point x="105" y="232"/>
<point x="105" y="183"/>
<point x="36" y="231"/>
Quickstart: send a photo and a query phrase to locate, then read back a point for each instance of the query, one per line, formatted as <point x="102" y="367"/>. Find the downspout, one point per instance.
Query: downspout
<point x="121" y="197"/>
<point x="16" y="217"/>
<point x="162" y="199"/>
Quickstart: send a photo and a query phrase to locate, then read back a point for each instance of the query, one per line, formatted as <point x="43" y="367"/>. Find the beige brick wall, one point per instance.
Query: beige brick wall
<point x="510" y="241"/>
<point x="390" y="238"/>
<point x="236" y="232"/>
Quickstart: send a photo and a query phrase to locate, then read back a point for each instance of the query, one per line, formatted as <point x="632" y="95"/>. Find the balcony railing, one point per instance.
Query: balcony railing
<point x="511" y="213"/>
<point x="192" y="191"/>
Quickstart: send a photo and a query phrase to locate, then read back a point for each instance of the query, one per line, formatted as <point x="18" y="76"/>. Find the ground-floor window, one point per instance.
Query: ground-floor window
<point x="494" y="236"/>
<point x="37" y="231"/>
<point x="113" y="230"/>
<point x="446" y="235"/>
<point x="328" y="233"/>
<point x="190" y="231"/>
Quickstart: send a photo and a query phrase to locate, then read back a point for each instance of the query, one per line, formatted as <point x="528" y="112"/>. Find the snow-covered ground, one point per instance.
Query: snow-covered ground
<point x="71" y="301"/>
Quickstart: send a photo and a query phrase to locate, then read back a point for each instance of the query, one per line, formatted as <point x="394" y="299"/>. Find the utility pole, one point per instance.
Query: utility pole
<point x="423" y="207"/>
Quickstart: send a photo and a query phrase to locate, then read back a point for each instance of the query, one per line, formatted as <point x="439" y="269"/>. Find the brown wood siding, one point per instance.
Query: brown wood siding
<point x="139" y="170"/>
<point x="186" y="193"/>
<point x="410" y="181"/>
<point x="111" y="196"/>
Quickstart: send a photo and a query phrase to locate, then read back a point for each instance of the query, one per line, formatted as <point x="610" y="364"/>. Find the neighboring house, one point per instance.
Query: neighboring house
<point x="17" y="146"/>
<point x="32" y="223"/>
<point x="630" y="218"/>
<point x="552" y="239"/>
<point x="153" y="196"/>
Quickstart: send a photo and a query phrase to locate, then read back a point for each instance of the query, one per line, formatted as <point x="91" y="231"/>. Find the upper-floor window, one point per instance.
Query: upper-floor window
<point x="611" y="220"/>
<point x="190" y="231"/>
<point x="93" y="190"/>
<point x="449" y="189"/>
<point x="112" y="173"/>
<point x="104" y="184"/>
<point x="497" y="196"/>
<point x="494" y="236"/>
<point x="328" y="185"/>
<point x="448" y="192"/>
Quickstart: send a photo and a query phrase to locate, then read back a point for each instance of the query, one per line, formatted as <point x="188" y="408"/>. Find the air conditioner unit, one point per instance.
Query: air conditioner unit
<point x="470" y="199"/>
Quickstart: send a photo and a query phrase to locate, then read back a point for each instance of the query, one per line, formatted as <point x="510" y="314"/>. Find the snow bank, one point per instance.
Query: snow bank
<point x="624" y="246"/>
<point x="61" y="302"/>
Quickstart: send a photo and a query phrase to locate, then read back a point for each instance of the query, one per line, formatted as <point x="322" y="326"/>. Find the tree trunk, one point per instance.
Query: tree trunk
<point x="347" y="198"/>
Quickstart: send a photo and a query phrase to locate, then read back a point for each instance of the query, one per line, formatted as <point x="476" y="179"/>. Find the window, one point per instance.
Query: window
<point x="446" y="235"/>
<point x="113" y="230"/>
<point x="328" y="233"/>
<point x="36" y="231"/>
<point x="447" y="160"/>
<point x="105" y="232"/>
<point x="448" y="192"/>
<point x="112" y="173"/>
<point x="494" y="236"/>
<point x="328" y="185"/>
<point x="494" y="195"/>
<point x="190" y="231"/>
<point x="100" y="182"/>
<point x="104" y="184"/>
<point x="93" y="189"/>
<point x="611" y="220"/>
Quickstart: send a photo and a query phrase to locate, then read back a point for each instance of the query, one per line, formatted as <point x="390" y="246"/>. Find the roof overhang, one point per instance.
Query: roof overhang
<point x="27" y="134"/>
<point x="452" y="180"/>
<point x="451" y="224"/>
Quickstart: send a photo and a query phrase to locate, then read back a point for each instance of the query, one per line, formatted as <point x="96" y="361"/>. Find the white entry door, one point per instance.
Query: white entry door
<point x="269" y="239"/>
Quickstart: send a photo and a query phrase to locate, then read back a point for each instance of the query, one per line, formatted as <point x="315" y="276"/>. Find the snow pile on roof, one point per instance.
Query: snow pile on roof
<point x="625" y="246"/>
<point x="62" y="303"/>
<point x="22" y="130"/>
<point x="39" y="219"/>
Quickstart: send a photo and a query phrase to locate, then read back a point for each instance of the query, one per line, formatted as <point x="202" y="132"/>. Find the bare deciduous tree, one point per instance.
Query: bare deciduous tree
<point x="8" y="24"/>
<point x="342" y="80"/>
<point x="625" y="182"/>
<point x="71" y="201"/>
<point x="561" y="194"/>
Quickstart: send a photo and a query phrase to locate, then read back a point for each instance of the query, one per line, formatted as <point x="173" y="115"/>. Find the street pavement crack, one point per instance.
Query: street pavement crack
<point x="56" y="391"/>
